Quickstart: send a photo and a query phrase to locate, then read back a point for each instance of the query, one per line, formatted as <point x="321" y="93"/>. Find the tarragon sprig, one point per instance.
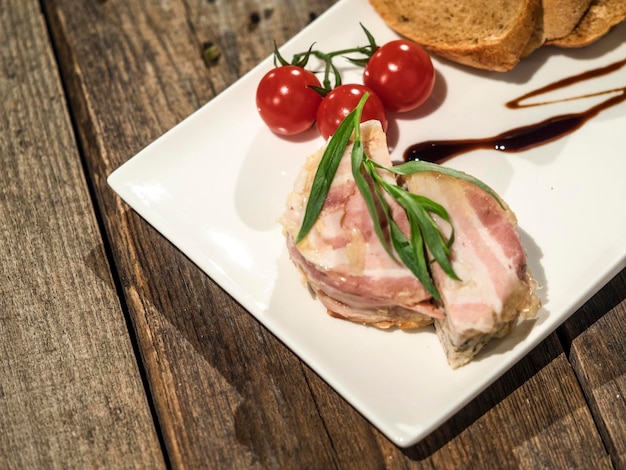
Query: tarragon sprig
<point x="426" y="242"/>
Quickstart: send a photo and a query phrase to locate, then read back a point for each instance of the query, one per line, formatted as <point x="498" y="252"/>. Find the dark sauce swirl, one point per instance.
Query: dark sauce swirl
<point x="526" y="137"/>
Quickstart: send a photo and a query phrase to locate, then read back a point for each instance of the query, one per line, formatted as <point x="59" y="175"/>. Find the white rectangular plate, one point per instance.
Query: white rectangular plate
<point x="215" y="184"/>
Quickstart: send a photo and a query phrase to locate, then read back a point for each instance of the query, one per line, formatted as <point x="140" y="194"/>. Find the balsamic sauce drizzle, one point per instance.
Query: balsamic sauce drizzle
<point x="526" y="137"/>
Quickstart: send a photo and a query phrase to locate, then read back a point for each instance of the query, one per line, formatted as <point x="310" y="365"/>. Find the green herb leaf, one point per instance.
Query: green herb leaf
<point x="424" y="233"/>
<point x="364" y="182"/>
<point x="413" y="254"/>
<point x="325" y="174"/>
<point x="417" y="166"/>
<point x="419" y="208"/>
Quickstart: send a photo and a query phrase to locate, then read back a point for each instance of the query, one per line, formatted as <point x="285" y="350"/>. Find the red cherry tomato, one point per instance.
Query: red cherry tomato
<point x="340" y="102"/>
<point x="285" y="100"/>
<point x="402" y="75"/>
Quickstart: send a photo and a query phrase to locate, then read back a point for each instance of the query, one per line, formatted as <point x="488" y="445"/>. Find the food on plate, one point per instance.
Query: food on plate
<point x="442" y="248"/>
<point x="341" y="257"/>
<point x="398" y="76"/>
<point x="285" y="100"/>
<point x="340" y="101"/>
<point x="560" y="17"/>
<point x="402" y="75"/>
<point x="487" y="34"/>
<point x="598" y="20"/>
<point x="497" y="34"/>
<point x="496" y="286"/>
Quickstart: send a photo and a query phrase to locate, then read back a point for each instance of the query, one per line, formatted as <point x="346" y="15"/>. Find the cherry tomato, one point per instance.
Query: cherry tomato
<point x="340" y="101"/>
<point x="402" y="75"/>
<point x="285" y="100"/>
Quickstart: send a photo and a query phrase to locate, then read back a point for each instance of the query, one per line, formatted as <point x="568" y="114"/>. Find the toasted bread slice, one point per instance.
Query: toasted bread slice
<point x="560" y="17"/>
<point x="601" y="16"/>
<point x="486" y="34"/>
<point x="537" y="38"/>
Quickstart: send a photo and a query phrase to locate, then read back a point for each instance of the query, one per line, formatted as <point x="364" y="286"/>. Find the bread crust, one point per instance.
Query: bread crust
<point x="496" y="34"/>
<point x="495" y="41"/>
<point x="599" y="19"/>
<point x="560" y="17"/>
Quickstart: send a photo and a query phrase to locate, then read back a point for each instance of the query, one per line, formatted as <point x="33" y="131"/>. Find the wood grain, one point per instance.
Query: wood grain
<point x="228" y="394"/>
<point x="535" y="416"/>
<point x="594" y="337"/>
<point x="70" y="391"/>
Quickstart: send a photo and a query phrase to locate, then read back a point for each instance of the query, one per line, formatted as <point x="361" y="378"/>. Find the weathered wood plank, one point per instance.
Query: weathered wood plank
<point x="226" y="392"/>
<point x="597" y="352"/>
<point x="228" y="395"/>
<point x="535" y="416"/>
<point x="71" y="395"/>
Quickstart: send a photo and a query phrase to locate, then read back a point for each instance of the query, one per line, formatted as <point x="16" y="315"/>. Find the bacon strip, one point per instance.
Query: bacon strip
<point x="496" y="286"/>
<point x="345" y="265"/>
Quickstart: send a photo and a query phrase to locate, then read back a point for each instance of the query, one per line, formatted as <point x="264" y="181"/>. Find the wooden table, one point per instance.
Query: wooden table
<point x="118" y="352"/>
